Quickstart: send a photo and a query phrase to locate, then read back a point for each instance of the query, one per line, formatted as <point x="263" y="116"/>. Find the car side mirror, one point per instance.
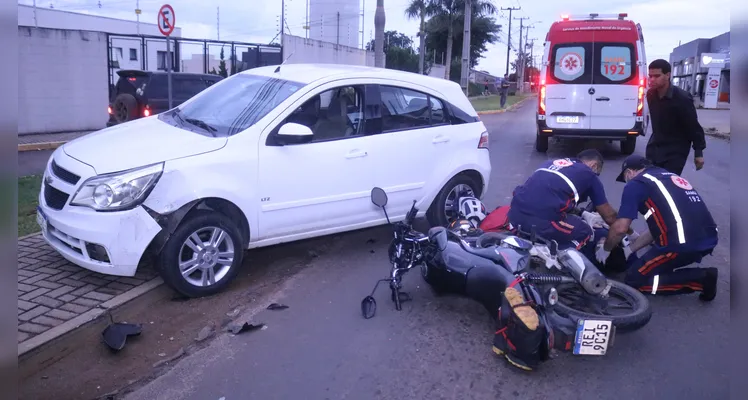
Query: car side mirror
<point x="293" y="129"/>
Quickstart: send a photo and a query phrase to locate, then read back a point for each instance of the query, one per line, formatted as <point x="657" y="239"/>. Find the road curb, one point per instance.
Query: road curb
<point x="512" y="107"/>
<point x="40" y="146"/>
<point x="89" y="316"/>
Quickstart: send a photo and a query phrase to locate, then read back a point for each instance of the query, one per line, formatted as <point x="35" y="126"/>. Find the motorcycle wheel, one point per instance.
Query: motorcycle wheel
<point x="638" y="314"/>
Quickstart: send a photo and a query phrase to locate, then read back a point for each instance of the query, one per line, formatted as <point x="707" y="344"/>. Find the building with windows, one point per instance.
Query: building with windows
<point x="126" y="52"/>
<point x="688" y="73"/>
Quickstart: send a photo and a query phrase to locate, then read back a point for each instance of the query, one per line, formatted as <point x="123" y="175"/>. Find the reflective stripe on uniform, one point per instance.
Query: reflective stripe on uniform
<point x="568" y="182"/>
<point x="673" y="208"/>
<point x="655" y="284"/>
<point x="649" y="213"/>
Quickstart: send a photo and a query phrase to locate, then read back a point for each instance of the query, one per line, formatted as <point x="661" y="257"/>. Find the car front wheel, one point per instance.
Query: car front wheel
<point x="203" y="255"/>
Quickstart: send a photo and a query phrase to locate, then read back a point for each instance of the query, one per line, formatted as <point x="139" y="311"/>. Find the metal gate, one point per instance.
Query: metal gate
<point x="148" y="53"/>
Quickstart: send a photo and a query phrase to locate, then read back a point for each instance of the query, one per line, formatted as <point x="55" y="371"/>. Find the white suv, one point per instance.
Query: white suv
<point x="270" y="155"/>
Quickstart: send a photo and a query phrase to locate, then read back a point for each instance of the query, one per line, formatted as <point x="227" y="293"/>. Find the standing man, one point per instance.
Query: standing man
<point x="675" y="125"/>
<point x="681" y="232"/>
<point x="503" y="86"/>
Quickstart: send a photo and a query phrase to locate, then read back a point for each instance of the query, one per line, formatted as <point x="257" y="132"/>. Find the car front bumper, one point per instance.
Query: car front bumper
<point x="111" y="243"/>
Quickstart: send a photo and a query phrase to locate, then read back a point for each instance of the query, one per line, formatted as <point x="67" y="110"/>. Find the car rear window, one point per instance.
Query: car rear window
<point x="616" y="63"/>
<point x="130" y="84"/>
<point x="570" y="63"/>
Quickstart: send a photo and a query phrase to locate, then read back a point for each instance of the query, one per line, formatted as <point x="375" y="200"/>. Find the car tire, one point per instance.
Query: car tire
<point x="125" y="108"/>
<point x="436" y="214"/>
<point x="225" y="258"/>
<point x="628" y="146"/>
<point x="541" y="143"/>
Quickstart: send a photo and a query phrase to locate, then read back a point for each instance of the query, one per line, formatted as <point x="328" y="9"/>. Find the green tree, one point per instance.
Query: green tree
<point x="399" y="52"/>
<point x="418" y="9"/>
<point x="484" y="30"/>
<point x="222" y="66"/>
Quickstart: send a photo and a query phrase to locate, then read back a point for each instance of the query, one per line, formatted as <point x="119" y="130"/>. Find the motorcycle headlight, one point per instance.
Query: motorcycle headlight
<point x="118" y="191"/>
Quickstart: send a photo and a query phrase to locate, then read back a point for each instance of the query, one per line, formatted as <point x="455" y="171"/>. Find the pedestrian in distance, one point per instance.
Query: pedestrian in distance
<point x="675" y="125"/>
<point x="503" y="86"/>
<point x="681" y="232"/>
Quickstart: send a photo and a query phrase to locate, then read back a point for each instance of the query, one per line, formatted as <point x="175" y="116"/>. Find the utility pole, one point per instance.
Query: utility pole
<point x="218" y="22"/>
<point x="137" y="14"/>
<point x="283" y="21"/>
<point x="509" y="32"/>
<point x="37" y="25"/>
<point x="465" y="71"/>
<point x="306" y="21"/>
<point x="363" y="24"/>
<point x="521" y="58"/>
<point x="379" y="20"/>
<point x="531" y="44"/>
<point x="337" y="35"/>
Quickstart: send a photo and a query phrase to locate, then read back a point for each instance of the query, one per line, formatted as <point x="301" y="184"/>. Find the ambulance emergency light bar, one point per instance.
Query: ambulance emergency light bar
<point x="567" y="17"/>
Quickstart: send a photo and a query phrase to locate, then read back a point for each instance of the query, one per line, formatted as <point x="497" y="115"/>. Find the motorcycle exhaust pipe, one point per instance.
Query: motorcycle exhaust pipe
<point x="584" y="271"/>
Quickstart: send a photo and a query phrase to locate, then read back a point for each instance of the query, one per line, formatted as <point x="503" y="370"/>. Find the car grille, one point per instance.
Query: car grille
<point x="64" y="174"/>
<point x="55" y="198"/>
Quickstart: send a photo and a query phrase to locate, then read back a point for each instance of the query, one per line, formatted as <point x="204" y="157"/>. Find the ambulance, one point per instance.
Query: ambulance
<point x="593" y="81"/>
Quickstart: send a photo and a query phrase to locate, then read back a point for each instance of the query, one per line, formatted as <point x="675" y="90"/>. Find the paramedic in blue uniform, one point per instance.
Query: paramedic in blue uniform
<point x="681" y="231"/>
<point x="554" y="189"/>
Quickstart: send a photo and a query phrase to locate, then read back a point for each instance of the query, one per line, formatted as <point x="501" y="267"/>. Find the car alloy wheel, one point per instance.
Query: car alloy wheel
<point x="206" y="256"/>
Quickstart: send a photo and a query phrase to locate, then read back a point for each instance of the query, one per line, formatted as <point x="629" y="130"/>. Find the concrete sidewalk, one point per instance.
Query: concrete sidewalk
<point x="56" y="297"/>
<point x="715" y="121"/>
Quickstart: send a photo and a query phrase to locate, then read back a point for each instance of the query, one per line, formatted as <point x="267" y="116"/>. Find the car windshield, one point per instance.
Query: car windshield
<point x="234" y="104"/>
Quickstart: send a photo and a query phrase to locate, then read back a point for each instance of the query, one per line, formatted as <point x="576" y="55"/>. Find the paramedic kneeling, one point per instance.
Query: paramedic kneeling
<point x="681" y="231"/>
<point x="553" y="190"/>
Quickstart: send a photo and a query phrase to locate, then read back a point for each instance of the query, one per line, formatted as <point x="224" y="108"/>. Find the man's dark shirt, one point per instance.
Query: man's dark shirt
<point x="675" y="126"/>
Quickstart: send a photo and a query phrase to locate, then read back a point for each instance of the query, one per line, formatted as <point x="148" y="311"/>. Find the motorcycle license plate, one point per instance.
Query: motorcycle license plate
<point x="593" y="337"/>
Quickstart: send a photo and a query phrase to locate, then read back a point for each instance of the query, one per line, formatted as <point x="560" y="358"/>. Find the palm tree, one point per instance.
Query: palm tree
<point x="452" y="11"/>
<point x="419" y="9"/>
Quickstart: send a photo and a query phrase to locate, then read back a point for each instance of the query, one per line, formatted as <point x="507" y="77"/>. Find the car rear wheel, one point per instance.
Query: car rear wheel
<point x="444" y="208"/>
<point x="125" y="108"/>
<point x="629" y="145"/>
<point x="203" y="255"/>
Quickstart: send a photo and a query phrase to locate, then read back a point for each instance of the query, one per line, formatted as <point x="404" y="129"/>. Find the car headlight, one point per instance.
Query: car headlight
<point x="118" y="191"/>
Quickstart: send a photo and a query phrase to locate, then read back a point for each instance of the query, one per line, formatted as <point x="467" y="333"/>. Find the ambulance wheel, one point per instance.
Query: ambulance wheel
<point x="541" y="143"/>
<point x="629" y="145"/>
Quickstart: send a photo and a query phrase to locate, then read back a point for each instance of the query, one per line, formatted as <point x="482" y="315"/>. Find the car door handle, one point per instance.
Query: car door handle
<point x="356" y="154"/>
<point x="440" y="139"/>
<point x="603" y="99"/>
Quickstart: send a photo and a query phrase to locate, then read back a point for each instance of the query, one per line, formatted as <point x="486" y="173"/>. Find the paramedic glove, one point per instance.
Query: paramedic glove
<point x="600" y="254"/>
<point x="594" y="220"/>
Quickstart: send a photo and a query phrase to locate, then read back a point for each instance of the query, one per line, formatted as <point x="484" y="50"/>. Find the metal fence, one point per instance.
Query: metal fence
<point x="145" y="52"/>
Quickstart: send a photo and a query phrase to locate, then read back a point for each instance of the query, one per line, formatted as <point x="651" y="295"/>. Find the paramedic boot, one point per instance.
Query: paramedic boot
<point x="519" y="337"/>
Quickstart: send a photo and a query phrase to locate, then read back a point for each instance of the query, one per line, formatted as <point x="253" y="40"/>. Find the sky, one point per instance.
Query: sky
<point x="665" y="23"/>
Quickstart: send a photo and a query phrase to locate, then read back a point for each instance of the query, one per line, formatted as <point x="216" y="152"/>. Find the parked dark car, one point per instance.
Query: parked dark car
<point x="140" y="94"/>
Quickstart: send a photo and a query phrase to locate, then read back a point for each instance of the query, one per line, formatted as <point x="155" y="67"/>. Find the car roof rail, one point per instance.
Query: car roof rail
<point x="593" y="16"/>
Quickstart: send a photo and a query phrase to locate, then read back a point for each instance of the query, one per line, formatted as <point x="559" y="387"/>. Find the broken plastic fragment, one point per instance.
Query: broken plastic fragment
<point x="245" y="327"/>
<point x="276" y="306"/>
<point x="115" y="335"/>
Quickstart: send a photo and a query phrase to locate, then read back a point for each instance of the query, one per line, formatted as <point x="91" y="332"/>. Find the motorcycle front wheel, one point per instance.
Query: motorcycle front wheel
<point x="626" y="307"/>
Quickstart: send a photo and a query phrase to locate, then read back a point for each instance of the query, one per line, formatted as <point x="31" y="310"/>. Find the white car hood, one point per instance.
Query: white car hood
<point x="138" y="143"/>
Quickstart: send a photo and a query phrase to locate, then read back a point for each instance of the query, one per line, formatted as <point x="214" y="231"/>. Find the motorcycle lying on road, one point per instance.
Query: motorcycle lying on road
<point x="574" y="300"/>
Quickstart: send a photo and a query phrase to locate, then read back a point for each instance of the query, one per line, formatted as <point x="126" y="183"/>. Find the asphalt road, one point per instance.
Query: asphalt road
<point x="440" y="347"/>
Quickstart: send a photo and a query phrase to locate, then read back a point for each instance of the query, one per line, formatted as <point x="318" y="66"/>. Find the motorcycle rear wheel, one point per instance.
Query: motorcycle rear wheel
<point x="631" y="320"/>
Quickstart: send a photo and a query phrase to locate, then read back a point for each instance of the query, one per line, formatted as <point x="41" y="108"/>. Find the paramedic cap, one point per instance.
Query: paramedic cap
<point x="633" y="162"/>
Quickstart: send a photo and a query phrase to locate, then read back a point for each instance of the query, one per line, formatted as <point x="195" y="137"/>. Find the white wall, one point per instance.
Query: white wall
<point x="327" y="16"/>
<point x="61" y="80"/>
<point x="302" y="50"/>
<point x="437" y="71"/>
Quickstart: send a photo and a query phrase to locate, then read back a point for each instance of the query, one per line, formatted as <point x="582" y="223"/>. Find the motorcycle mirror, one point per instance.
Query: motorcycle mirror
<point x="368" y="307"/>
<point x="378" y="197"/>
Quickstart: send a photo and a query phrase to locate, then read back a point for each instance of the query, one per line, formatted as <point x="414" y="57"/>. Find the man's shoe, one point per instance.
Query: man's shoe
<point x="709" y="285"/>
